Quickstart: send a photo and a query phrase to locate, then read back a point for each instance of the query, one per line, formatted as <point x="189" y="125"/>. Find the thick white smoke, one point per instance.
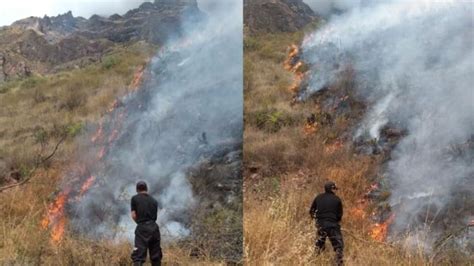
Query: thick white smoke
<point x="191" y="104"/>
<point x="414" y="62"/>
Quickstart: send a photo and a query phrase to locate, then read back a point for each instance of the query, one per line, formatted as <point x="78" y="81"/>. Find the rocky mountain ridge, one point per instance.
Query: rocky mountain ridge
<point x="272" y="16"/>
<point x="48" y="44"/>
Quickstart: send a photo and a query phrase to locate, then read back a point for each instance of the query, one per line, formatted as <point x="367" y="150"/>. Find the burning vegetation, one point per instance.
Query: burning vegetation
<point x="179" y="128"/>
<point x="333" y="101"/>
<point x="79" y="180"/>
<point x="422" y="182"/>
<point x="55" y="218"/>
<point x="294" y="64"/>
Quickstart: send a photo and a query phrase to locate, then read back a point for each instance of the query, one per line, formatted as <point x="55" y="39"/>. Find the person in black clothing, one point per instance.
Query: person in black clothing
<point x="327" y="210"/>
<point x="147" y="233"/>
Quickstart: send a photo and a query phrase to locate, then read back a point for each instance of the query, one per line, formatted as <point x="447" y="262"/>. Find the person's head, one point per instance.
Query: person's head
<point x="329" y="187"/>
<point x="141" y="187"/>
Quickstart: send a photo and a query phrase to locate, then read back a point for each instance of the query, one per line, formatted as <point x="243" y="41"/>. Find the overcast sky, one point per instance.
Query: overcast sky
<point x="12" y="10"/>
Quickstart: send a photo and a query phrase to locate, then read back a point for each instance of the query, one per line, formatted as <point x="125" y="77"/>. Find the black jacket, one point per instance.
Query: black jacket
<point x="327" y="209"/>
<point x="145" y="206"/>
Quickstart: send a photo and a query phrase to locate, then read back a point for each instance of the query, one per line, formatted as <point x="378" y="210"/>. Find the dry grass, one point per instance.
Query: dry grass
<point x="37" y="111"/>
<point x="280" y="232"/>
<point x="285" y="169"/>
<point x="23" y="242"/>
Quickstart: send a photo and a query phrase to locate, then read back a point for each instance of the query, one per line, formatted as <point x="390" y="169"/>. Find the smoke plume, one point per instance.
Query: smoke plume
<point x="190" y="103"/>
<point x="328" y="7"/>
<point x="414" y="65"/>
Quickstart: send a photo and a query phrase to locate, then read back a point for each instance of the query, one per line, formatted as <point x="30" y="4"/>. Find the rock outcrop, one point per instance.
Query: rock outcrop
<point x="40" y="45"/>
<point x="271" y="16"/>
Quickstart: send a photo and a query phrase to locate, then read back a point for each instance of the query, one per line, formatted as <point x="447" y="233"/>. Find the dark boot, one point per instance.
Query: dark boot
<point x="156" y="263"/>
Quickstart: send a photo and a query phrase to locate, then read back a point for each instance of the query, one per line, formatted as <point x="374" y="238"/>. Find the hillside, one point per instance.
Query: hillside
<point x="74" y="93"/>
<point x="287" y="161"/>
<point x="64" y="42"/>
<point x="269" y="16"/>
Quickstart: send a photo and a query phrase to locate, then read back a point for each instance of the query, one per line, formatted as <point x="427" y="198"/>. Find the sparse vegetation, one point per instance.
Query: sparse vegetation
<point x="37" y="111"/>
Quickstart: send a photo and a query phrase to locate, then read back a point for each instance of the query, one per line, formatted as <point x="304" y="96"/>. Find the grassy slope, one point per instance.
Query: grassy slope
<point x="285" y="169"/>
<point x="34" y="114"/>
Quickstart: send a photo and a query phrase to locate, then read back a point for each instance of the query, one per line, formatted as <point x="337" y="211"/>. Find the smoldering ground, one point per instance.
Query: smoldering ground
<point x="414" y="65"/>
<point x="189" y="108"/>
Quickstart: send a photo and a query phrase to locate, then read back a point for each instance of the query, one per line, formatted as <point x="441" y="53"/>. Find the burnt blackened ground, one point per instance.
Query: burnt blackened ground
<point x="217" y="219"/>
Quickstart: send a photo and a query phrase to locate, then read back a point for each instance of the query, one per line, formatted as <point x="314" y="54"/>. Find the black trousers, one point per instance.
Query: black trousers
<point x="333" y="232"/>
<point x="147" y="237"/>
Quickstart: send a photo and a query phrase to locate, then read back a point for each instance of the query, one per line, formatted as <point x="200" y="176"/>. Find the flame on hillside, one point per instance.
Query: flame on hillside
<point x="137" y="78"/>
<point x="294" y="65"/>
<point x="55" y="218"/>
<point x="379" y="230"/>
<point x="333" y="147"/>
<point x="358" y="211"/>
<point x="87" y="184"/>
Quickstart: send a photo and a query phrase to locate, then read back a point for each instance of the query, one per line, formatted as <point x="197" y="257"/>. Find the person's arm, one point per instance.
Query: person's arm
<point x="339" y="211"/>
<point x="314" y="209"/>
<point x="134" y="210"/>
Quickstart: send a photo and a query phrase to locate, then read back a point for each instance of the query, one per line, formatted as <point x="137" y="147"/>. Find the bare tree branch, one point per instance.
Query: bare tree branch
<point x="37" y="165"/>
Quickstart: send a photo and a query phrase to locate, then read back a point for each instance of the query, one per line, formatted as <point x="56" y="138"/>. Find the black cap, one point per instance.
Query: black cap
<point x="141" y="186"/>
<point x="330" y="186"/>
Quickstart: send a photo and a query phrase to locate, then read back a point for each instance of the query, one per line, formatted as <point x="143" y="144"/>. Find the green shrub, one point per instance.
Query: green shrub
<point x="74" y="100"/>
<point x="109" y="62"/>
<point x="271" y="120"/>
<point x="7" y="86"/>
<point x="74" y="129"/>
<point x="251" y="44"/>
<point x="32" y="82"/>
<point x="41" y="136"/>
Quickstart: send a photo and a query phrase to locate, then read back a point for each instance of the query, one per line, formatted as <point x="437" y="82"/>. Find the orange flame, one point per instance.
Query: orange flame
<point x="310" y="128"/>
<point x="58" y="229"/>
<point x="292" y="53"/>
<point x="297" y="80"/>
<point x="114" y="135"/>
<point x="55" y="217"/>
<point x="332" y="148"/>
<point x="101" y="153"/>
<point x="99" y="133"/>
<point x="85" y="187"/>
<point x="114" y="105"/>
<point x="358" y="212"/>
<point x="295" y="67"/>
<point x="137" y="78"/>
<point x="380" y="230"/>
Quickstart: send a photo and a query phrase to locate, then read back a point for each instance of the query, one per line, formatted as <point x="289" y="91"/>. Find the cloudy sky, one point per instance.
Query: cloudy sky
<point x="12" y="10"/>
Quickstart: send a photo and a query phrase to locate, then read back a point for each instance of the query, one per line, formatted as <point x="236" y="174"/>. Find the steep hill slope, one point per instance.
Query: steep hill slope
<point x="68" y="86"/>
<point x="293" y="146"/>
<point x="49" y="44"/>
